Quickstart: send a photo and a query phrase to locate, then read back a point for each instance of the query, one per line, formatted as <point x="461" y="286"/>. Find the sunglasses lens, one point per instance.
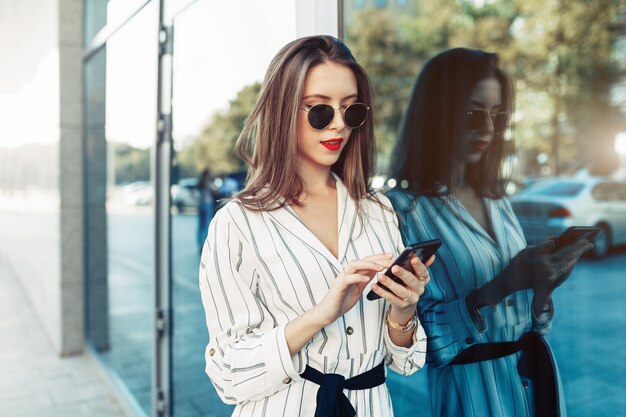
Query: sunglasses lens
<point x="320" y="116"/>
<point x="500" y="122"/>
<point x="355" y="115"/>
<point x="477" y="120"/>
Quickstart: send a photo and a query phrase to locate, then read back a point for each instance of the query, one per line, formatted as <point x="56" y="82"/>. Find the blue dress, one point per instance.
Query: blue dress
<point x="468" y="259"/>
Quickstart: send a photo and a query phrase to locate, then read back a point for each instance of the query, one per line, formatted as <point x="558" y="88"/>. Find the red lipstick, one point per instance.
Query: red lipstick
<point x="332" y="144"/>
<point x="479" y="145"/>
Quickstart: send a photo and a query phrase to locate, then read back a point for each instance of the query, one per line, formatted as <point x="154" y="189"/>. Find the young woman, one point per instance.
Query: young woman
<point x="490" y="298"/>
<point x="286" y="262"/>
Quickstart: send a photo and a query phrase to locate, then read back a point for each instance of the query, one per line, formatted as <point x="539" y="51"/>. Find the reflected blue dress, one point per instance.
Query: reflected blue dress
<point x="468" y="259"/>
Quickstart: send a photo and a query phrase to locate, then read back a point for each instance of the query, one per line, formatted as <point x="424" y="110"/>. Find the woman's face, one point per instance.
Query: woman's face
<point x="486" y="96"/>
<point x="335" y="85"/>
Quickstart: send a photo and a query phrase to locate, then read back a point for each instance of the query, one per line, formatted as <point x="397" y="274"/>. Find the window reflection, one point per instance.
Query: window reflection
<point x="215" y="84"/>
<point x="565" y="129"/>
<point x="120" y="138"/>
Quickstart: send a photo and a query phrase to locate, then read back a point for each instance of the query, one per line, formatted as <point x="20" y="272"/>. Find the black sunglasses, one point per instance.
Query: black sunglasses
<point x="477" y="120"/>
<point x="321" y="115"/>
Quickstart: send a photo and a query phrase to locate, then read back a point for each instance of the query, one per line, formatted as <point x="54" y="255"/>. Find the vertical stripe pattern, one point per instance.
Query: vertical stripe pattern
<point x="468" y="259"/>
<point x="258" y="271"/>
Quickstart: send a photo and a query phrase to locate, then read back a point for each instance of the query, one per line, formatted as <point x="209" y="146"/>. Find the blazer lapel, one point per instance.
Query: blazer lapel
<point x="287" y="218"/>
<point x="346" y="219"/>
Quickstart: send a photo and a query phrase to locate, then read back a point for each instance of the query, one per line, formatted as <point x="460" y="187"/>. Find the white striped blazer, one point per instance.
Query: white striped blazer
<point x="258" y="271"/>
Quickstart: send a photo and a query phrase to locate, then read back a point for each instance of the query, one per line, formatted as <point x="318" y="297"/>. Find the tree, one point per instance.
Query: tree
<point x="131" y="164"/>
<point x="391" y="65"/>
<point x="214" y="147"/>
<point x="560" y="52"/>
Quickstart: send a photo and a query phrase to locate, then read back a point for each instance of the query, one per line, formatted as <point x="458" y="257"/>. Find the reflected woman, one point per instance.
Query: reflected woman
<point x="286" y="261"/>
<point x="489" y="301"/>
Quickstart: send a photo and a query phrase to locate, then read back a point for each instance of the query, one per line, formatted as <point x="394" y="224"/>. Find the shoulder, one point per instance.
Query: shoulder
<point x="402" y="200"/>
<point x="503" y="203"/>
<point x="233" y="213"/>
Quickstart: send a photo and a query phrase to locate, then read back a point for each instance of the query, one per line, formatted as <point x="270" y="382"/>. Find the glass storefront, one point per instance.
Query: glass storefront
<point x="121" y="92"/>
<point x="214" y="87"/>
<point x="566" y="126"/>
<point x="212" y="91"/>
<point x="219" y="52"/>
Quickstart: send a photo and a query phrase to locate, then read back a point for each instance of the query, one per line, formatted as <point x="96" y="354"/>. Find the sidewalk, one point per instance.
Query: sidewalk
<point x="34" y="380"/>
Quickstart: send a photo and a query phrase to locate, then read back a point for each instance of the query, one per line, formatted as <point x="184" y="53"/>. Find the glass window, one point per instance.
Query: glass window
<point x="562" y="189"/>
<point x="553" y="127"/>
<point x="215" y="85"/>
<point x="610" y="191"/>
<point x="121" y="133"/>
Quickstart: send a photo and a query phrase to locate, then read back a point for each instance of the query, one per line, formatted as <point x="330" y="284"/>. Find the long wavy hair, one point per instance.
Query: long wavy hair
<point x="268" y="141"/>
<point x="424" y="158"/>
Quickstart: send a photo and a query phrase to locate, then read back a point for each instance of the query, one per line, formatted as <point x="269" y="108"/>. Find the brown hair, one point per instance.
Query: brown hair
<point x="435" y="121"/>
<point x="268" y="141"/>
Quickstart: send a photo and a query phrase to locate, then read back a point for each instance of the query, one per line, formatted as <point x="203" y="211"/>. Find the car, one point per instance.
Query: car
<point x="550" y="206"/>
<point x="185" y="194"/>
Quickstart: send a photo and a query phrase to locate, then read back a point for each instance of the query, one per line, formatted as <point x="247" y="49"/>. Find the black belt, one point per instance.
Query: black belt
<point x="489" y="351"/>
<point x="331" y="402"/>
<point x="535" y="363"/>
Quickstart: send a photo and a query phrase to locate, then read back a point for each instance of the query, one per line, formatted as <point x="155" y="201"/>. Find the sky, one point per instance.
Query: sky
<point x="220" y="47"/>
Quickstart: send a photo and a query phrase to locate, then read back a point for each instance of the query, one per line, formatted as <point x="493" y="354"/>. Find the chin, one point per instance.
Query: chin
<point x="473" y="159"/>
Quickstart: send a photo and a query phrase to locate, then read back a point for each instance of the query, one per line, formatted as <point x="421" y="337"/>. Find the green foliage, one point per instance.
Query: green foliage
<point x="391" y="66"/>
<point x="131" y="164"/>
<point x="560" y="52"/>
<point x="214" y="147"/>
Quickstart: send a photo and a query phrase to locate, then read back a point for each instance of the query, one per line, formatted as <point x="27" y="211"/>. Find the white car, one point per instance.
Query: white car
<point x="549" y="207"/>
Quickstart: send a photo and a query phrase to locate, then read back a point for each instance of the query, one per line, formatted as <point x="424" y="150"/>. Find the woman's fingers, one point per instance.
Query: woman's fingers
<point x="363" y="265"/>
<point x="400" y="299"/>
<point x="430" y="261"/>
<point x="420" y="269"/>
<point x="355" y="279"/>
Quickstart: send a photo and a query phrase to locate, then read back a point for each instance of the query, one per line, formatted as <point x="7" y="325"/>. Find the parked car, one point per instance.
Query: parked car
<point x="185" y="194"/>
<point x="549" y="207"/>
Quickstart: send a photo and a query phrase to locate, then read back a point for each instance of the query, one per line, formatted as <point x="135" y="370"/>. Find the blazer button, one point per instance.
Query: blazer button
<point x="286" y="380"/>
<point x="509" y="302"/>
<point x="525" y="384"/>
<point x="349" y="330"/>
<point x="211" y="352"/>
<point x="469" y="340"/>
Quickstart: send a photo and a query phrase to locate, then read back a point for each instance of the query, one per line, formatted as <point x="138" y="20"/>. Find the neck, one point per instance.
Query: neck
<point x="459" y="178"/>
<point x="318" y="180"/>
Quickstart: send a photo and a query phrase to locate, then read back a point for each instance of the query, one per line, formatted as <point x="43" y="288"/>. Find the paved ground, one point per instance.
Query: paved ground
<point x="34" y="381"/>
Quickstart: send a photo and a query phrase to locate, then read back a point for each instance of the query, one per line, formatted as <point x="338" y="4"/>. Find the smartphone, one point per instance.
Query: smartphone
<point x="575" y="233"/>
<point x="423" y="250"/>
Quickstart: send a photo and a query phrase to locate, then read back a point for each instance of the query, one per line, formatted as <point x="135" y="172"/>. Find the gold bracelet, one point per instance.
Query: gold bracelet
<point x="399" y="329"/>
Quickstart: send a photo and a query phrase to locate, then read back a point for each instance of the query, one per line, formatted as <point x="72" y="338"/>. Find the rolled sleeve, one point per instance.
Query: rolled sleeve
<point x="406" y="361"/>
<point x="542" y="323"/>
<point x="450" y="329"/>
<point x="247" y="357"/>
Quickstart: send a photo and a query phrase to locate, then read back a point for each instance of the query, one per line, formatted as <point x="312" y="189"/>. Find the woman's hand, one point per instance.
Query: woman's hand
<point x="538" y="266"/>
<point x="404" y="298"/>
<point x="347" y="288"/>
<point x="564" y="260"/>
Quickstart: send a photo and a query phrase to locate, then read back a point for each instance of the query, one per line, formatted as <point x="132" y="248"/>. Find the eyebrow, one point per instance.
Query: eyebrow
<point x="322" y="96"/>
<point x="479" y="104"/>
